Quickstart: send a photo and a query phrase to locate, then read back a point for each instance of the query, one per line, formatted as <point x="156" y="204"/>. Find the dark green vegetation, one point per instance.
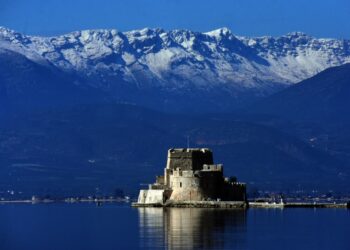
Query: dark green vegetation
<point x="58" y="138"/>
<point x="110" y="146"/>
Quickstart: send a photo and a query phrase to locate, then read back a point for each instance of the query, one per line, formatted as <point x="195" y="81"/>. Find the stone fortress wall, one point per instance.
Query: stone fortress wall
<point x="191" y="175"/>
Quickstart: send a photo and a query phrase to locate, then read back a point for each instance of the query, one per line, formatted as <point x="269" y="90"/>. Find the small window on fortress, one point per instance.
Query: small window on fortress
<point x="180" y="184"/>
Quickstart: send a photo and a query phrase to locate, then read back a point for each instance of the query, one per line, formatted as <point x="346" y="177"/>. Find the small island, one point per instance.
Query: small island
<point x="191" y="179"/>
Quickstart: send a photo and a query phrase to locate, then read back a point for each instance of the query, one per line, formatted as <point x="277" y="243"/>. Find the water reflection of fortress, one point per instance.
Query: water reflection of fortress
<point x="191" y="175"/>
<point x="192" y="228"/>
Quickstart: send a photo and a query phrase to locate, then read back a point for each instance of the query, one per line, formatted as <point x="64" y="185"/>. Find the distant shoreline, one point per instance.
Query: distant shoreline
<point x="211" y="204"/>
<point x="69" y="200"/>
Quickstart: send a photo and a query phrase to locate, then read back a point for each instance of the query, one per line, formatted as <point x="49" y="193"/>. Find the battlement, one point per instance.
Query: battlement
<point x="189" y="158"/>
<point x="188" y="150"/>
<point x="213" y="167"/>
<point x="191" y="175"/>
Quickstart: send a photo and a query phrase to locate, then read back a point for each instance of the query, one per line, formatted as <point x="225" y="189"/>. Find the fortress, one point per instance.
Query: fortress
<point x="192" y="179"/>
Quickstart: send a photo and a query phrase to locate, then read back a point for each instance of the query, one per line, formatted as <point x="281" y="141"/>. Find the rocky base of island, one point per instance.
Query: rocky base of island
<point x="196" y="204"/>
<point x="241" y="204"/>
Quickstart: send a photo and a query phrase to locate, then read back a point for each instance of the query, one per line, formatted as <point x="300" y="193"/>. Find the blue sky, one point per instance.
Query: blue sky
<point x="319" y="18"/>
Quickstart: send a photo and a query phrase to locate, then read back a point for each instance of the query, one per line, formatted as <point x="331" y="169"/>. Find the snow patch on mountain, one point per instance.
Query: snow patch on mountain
<point x="181" y="58"/>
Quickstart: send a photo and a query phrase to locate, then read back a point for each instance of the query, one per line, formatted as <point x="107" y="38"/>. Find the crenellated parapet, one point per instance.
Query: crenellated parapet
<point x="191" y="175"/>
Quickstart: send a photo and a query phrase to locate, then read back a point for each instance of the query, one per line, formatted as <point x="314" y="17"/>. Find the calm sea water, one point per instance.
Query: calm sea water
<point x="113" y="226"/>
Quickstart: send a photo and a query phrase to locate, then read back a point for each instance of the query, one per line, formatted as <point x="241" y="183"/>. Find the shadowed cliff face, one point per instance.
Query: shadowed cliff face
<point x="29" y="86"/>
<point x="315" y="110"/>
<point x="323" y="99"/>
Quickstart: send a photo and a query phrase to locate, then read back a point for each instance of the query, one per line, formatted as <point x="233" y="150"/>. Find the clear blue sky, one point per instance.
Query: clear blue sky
<point x="320" y="18"/>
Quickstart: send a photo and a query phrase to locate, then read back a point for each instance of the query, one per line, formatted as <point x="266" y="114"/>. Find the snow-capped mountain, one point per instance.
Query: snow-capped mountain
<point x="182" y="61"/>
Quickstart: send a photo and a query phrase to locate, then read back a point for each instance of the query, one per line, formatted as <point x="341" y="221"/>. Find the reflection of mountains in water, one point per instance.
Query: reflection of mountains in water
<point x="192" y="228"/>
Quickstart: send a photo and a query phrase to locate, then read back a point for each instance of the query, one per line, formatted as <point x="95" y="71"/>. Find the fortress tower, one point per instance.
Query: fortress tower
<point x="191" y="175"/>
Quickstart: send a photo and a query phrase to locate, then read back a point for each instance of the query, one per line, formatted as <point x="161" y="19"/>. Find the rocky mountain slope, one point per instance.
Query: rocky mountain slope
<point x="315" y="110"/>
<point x="324" y="98"/>
<point x="26" y="85"/>
<point x="78" y="131"/>
<point x="157" y="68"/>
<point x="76" y="150"/>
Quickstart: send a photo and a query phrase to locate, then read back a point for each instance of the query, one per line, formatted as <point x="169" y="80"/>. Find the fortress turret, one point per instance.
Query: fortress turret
<point x="191" y="175"/>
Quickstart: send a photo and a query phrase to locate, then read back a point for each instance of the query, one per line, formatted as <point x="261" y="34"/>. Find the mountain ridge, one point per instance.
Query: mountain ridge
<point x="178" y="70"/>
<point x="180" y="61"/>
<point x="78" y="128"/>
